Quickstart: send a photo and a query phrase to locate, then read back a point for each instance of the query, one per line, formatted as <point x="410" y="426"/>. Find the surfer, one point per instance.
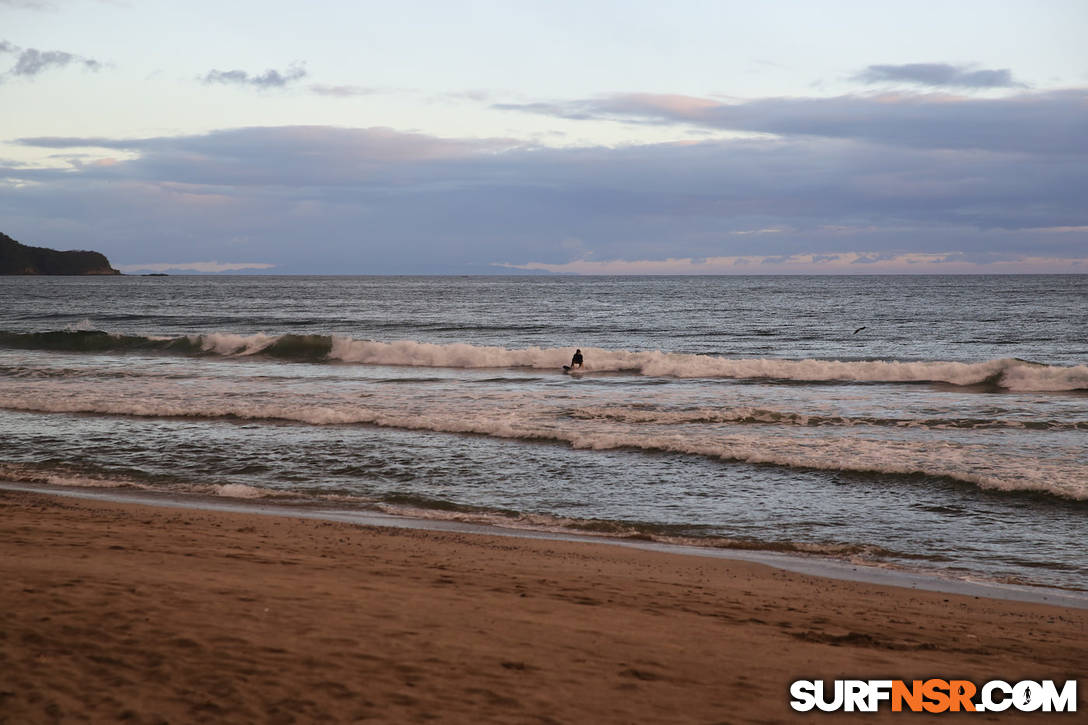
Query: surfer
<point x="576" y="361"/>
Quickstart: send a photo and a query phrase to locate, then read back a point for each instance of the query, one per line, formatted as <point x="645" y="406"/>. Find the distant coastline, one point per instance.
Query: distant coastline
<point x="19" y="259"/>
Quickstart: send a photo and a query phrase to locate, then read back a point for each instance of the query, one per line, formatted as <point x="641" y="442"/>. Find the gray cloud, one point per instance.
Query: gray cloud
<point x="325" y="199"/>
<point x="269" y="79"/>
<point x="32" y="61"/>
<point x="1052" y="122"/>
<point x="65" y="142"/>
<point x="939" y="75"/>
<point x="283" y="155"/>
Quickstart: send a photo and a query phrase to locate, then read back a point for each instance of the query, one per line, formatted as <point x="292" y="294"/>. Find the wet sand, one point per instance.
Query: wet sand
<point x="122" y="612"/>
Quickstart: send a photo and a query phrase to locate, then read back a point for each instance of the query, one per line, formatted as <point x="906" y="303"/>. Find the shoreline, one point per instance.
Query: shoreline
<point x="148" y="613"/>
<point x="811" y="565"/>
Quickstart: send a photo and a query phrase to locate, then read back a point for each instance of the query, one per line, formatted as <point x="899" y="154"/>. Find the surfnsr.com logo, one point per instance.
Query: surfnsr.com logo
<point x="933" y="695"/>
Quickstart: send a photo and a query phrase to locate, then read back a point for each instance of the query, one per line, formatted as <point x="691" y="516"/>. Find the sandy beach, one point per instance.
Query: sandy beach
<point x="120" y="612"/>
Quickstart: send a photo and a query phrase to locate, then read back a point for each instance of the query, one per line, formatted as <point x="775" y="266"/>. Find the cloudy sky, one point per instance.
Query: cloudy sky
<point x="712" y="137"/>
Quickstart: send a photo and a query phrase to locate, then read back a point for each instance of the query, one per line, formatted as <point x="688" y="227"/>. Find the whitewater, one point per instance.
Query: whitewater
<point x="948" y="435"/>
<point x="1011" y="373"/>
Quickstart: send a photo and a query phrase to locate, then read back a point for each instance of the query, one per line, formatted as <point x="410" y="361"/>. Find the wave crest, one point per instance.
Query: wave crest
<point x="1006" y="373"/>
<point x="968" y="464"/>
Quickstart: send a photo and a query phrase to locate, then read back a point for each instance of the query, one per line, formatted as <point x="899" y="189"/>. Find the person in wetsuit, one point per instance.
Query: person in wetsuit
<point x="576" y="361"/>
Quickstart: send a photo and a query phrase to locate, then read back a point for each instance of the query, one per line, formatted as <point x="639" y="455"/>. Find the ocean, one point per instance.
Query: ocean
<point x="929" y="423"/>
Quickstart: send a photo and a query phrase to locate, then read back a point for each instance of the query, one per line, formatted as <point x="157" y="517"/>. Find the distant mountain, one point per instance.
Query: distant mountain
<point x="16" y="258"/>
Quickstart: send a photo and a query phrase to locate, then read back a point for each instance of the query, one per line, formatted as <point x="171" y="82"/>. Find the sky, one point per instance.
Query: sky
<point x="635" y="137"/>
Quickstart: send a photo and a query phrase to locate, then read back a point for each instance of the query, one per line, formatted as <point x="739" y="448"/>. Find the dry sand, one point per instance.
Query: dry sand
<point x="120" y="612"/>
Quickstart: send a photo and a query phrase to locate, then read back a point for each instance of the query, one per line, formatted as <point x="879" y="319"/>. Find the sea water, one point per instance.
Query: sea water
<point x="936" y="423"/>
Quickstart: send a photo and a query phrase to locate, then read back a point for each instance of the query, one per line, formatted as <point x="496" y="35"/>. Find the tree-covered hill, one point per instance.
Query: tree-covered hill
<point x="16" y="258"/>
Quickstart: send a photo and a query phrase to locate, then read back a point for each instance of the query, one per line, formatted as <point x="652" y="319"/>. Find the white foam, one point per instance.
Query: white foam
<point x="1039" y="378"/>
<point x="225" y="343"/>
<point x="978" y="464"/>
<point x="25" y="474"/>
<point x="588" y="417"/>
<point x="84" y="325"/>
<point x="239" y="490"/>
<point x="700" y="415"/>
<point x="769" y="416"/>
<point x="1009" y="373"/>
<point x="451" y="355"/>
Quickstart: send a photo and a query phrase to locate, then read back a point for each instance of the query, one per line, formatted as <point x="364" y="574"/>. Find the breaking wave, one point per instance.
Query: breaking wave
<point x="976" y="465"/>
<point x="1006" y="373"/>
<point x="751" y="415"/>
